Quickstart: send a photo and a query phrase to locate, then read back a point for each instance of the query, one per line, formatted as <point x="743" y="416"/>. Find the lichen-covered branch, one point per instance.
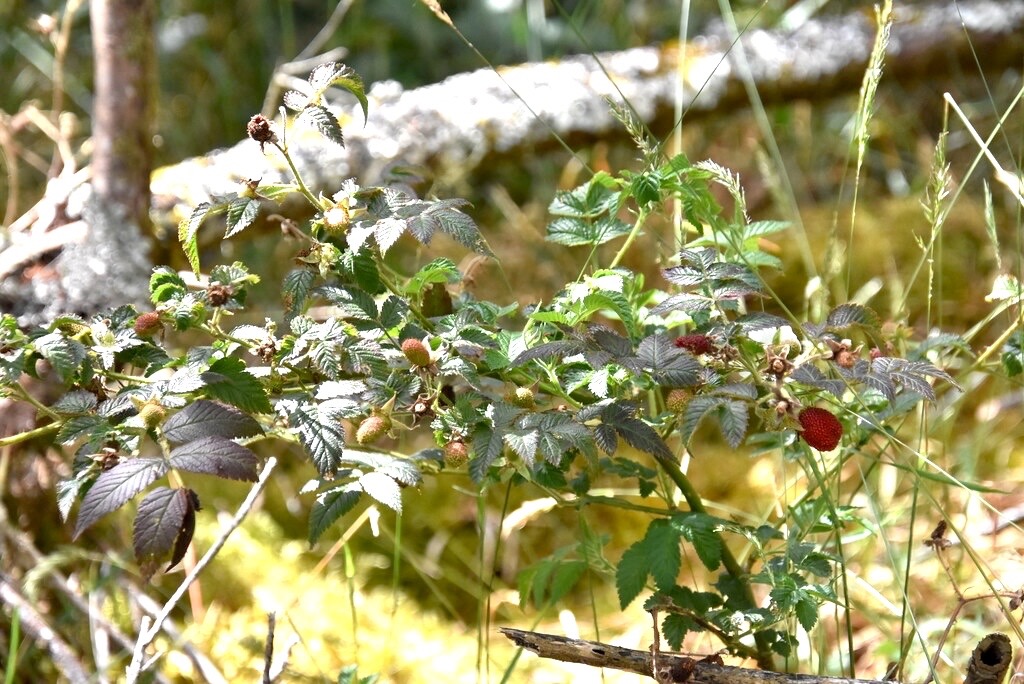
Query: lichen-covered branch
<point x="483" y="116"/>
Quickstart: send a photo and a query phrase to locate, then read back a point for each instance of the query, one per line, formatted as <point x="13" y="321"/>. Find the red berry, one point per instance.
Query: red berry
<point x="416" y="352"/>
<point x="695" y="343"/>
<point x="372" y="429"/>
<point x="456" y="453"/>
<point x="821" y="429"/>
<point x="147" y="324"/>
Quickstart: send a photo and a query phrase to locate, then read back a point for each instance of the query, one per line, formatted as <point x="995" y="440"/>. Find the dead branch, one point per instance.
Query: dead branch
<point x="671" y="667"/>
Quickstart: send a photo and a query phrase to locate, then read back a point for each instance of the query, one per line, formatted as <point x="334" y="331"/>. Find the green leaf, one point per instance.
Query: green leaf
<point x="846" y="315"/>
<point x="188" y="230"/>
<point x="242" y="211"/>
<point x="441" y="270"/>
<point x="590" y="200"/>
<point x="756" y="229"/>
<point x="295" y="290"/>
<point x="701" y="530"/>
<point x="669" y="365"/>
<point x="663" y="552"/>
<point x="321" y="435"/>
<point x="1013" y="355"/>
<point x="631" y="573"/>
<point x="64" y="355"/>
<point x="324" y="121"/>
<point x="572" y="231"/>
<point x="675" y="628"/>
<point x="329" y="506"/>
<point x="166" y="285"/>
<point x="228" y="381"/>
<point x="334" y="74"/>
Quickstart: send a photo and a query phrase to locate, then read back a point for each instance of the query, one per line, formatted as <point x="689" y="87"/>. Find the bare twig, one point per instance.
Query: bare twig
<point x="149" y="631"/>
<point x="990" y="660"/>
<point x="268" y="651"/>
<point x="35" y="625"/>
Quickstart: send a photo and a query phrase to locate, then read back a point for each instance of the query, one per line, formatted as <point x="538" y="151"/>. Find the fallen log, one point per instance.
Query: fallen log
<point x="490" y="117"/>
<point x="483" y="116"/>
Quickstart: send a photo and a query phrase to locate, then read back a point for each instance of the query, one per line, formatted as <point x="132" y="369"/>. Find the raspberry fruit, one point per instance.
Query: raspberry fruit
<point x="371" y="429"/>
<point x="416" y="352"/>
<point x="821" y="429"/>
<point x="695" y="343"/>
<point x="148" y="324"/>
<point x="677" y="400"/>
<point x="456" y="453"/>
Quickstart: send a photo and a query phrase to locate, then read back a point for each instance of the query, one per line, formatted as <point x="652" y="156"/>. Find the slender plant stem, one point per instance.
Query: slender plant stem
<point x="633" y="234"/>
<point x="31" y="434"/>
<point x="732" y="566"/>
<point x="150" y="628"/>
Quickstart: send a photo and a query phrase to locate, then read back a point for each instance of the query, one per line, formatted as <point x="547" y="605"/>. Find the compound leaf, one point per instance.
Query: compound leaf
<point x="115" y="487"/>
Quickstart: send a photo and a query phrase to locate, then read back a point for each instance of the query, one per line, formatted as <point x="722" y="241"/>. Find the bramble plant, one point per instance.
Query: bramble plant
<point x="550" y="394"/>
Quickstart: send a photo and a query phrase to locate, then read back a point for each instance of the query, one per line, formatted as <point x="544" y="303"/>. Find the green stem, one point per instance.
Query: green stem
<point x="732" y="566"/>
<point x="298" y="178"/>
<point x="633" y="234"/>
<point x="31" y="434"/>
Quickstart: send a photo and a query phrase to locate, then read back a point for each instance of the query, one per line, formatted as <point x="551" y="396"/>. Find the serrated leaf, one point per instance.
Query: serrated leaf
<point x="631" y="573"/>
<point x="204" y="418"/>
<point x="241" y="213"/>
<point x="215" y="455"/>
<point x="324" y="121"/>
<point x="696" y="411"/>
<point x="524" y="444"/>
<point x="845" y="315"/>
<point x="323" y="437"/>
<point x="295" y="100"/>
<point x="382" y="488"/>
<point x="228" y="381"/>
<point x="572" y="231"/>
<point x="760" y="228"/>
<point x="487" y="448"/>
<point x="164" y="516"/>
<point x="295" y="290"/>
<point x="675" y="627"/>
<point x="332" y="73"/>
<point x="733" y="417"/>
<point x="329" y="506"/>
<point x="700" y="530"/>
<point x="806" y="612"/>
<point x="441" y="270"/>
<point x="664" y="555"/>
<point x="65" y="355"/>
<point x="115" y="487"/>
<point x="78" y="401"/>
<point x="669" y="365"/>
<point x="589" y="200"/>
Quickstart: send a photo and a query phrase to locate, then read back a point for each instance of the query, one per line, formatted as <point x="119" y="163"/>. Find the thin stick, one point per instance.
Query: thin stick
<point x="149" y="631"/>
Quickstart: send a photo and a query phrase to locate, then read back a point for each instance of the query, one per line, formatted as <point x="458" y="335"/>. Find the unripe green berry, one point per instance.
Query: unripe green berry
<point x="152" y="414"/>
<point x="521" y="397"/>
<point x="371" y="429"/>
<point x="416" y="352"/>
<point x="456" y="453"/>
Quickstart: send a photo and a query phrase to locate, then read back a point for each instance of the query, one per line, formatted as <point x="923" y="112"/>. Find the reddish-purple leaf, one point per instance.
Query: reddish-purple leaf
<point x="205" y="418"/>
<point x="114" y="487"/>
<point x="216" y="456"/>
